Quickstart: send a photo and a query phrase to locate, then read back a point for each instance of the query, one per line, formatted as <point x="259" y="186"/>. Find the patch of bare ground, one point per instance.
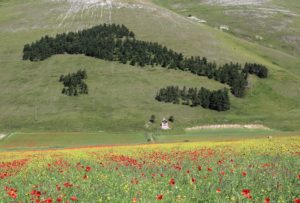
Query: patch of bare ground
<point x="235" y="2"/>
<point x="2" y="136"/>
<point x="293" y="41"/>
<point x="229" y="126"/>
<point x="96" y="9"/>
<point x="194" y="18"/>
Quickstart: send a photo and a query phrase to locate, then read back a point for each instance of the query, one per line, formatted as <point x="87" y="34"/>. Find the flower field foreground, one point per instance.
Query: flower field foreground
<point x="241" y="171"/>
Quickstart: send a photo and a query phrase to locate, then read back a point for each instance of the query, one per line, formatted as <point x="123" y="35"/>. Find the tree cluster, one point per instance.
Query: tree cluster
<point x="74" y="84"/>
<point x="216" y="100"/>
<point x="118" y="43"/>
<point x="98" y="41"/>
<point x="256" y="69"/>
<point x="233" y="75"/>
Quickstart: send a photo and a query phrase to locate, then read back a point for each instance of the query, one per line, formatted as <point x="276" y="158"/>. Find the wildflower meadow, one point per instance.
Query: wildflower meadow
<point x="238" y="171"/>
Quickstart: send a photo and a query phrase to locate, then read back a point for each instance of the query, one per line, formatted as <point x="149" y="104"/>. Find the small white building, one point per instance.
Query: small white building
<point x="165" y="124"/>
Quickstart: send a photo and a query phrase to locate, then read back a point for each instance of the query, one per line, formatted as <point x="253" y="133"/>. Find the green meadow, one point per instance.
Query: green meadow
<point x="61" y="140"/>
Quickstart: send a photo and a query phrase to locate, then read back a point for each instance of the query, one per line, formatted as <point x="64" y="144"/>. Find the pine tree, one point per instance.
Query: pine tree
<point x="171" y="119"/>
<point x="152" y="119"/>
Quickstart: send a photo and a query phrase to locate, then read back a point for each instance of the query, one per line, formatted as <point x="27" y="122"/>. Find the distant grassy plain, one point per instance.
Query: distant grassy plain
<point x="57" y="140"/>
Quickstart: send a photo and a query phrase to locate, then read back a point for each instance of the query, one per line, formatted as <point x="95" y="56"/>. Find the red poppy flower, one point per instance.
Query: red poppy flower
<point x="209" y="169"/>
<point x="12" y="194"/>
<point x="177" y="167"/>
<point x="222" y="173"/>
<point x="88" y="168"/>
<point x="244" y="173"/>
<point x="172" y="181"/>
<point x="299" y="176"/>
<point x="35" y="193"/>
<point x="267" y="200"/>
<point x="199" y="168"/>
<point x="68" y="184"/>
<point x="159" y="197"/>
<point x="85" y="177"/>
<point x="193" y="180"/>
<point x="59" y="199"/>
<point x="297" y="200"/>
<point x="48" y="200"/>
<point x="73" y="198"/>
<point x="218" y="190"/>
<point x="246" y="193"/>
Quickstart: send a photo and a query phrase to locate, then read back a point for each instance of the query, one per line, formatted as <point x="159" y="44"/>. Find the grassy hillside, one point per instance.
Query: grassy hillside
<point x="121" y="97"/>
<point x="272" y="23"/>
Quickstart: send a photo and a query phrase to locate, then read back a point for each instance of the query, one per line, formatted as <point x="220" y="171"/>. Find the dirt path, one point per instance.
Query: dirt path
<point x="235" y="2"/>
<point x="229" y="126"/>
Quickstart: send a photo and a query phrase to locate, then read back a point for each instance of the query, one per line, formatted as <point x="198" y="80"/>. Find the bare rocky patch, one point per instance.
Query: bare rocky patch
<point x="79" y="5"/>
<point x="96" y="9"/>
<point x="2" y="136"/>
<point x="194" y="18"/>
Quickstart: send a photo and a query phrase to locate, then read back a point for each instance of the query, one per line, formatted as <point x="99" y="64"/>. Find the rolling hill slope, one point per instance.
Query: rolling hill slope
<point x="121" y="97"/>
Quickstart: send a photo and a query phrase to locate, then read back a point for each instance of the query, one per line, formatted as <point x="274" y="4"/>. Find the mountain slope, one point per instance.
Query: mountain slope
<point x="121" y="97"/>
<point x="272" y="23"/>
